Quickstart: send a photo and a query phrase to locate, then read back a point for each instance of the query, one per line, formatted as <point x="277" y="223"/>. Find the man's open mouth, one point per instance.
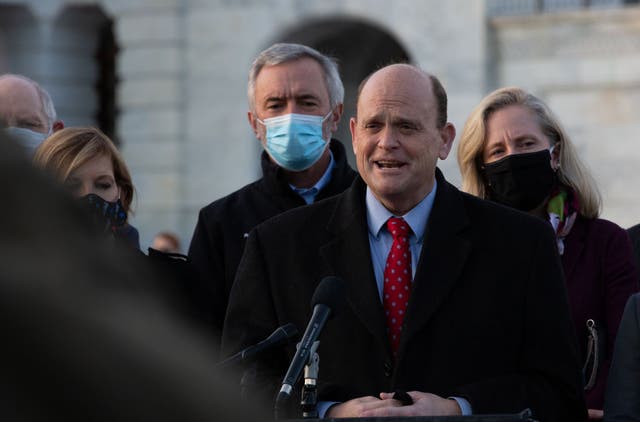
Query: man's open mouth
<point x="389" y="164"/>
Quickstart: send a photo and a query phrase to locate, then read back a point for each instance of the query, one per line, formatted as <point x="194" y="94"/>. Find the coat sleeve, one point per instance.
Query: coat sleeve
<point x="622" y="399"/>
<point x="548" y="380"/>
<point x="207" y="261"/>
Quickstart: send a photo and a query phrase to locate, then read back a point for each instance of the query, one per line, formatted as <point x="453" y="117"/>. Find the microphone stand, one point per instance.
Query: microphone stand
<point x="309" y="402"/>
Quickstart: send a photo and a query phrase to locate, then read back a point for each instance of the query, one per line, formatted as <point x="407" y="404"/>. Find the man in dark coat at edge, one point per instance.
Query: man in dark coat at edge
<point x="634" y="234"/>
<point x="296" y="101"/>
<point x="487" y="326"/>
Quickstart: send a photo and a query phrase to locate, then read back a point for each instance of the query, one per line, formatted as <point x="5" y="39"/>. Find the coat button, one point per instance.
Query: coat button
<point x="388" y="369"/>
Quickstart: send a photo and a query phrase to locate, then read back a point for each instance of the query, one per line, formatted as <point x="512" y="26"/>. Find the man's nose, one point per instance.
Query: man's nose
<point x="292" y="107"/>
<point x="388" y="138"/>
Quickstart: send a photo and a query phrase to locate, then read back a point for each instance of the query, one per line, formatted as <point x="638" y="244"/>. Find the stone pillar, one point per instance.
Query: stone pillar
<point x="151" y="103"/>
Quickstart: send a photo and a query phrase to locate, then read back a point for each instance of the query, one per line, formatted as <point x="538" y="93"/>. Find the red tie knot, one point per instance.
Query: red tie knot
<point x="398" y="227"/>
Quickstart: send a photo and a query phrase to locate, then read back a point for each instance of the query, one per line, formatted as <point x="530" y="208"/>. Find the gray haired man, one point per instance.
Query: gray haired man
<point x="295" y="103"/>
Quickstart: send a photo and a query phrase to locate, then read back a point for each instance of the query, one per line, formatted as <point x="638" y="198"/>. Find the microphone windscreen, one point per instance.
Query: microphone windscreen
<point x="331" y="293"/>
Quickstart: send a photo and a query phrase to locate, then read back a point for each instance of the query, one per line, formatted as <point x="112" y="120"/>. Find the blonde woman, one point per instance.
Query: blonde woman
<point x="513" y="151"/>
<point x="87" y="162"/>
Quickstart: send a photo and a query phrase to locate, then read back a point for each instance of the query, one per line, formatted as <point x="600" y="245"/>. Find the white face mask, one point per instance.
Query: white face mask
<point x="26" y="138"/>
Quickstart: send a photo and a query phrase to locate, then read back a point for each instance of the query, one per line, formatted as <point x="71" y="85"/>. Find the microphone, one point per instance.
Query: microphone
<point x="327" y="300"/>
<point x="280" y="336"/>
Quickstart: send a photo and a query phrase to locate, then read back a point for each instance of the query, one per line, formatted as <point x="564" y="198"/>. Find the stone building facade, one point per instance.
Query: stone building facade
<point x="167" y="78"/>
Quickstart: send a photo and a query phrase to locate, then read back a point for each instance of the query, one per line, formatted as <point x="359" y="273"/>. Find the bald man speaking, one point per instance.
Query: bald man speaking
<point x="456" y="303"/>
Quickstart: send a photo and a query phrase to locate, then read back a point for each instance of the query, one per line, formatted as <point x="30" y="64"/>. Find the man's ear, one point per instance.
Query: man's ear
<point x="353" y="123"/>
<point x="57" y="125"/>
<point x="448" y="134"/>
<point x="336" y="114"/>
<point x="253" y="122"/>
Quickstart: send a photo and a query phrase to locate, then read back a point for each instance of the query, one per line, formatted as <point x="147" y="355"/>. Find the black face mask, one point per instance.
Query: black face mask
<point x="521" y="181"/>
<point x="107" y="216"/>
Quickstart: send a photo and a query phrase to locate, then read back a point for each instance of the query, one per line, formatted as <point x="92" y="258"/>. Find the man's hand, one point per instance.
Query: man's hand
<point x="356" y="408"/>
<point x="424" y="404"/>
<point x="595" y="414"/>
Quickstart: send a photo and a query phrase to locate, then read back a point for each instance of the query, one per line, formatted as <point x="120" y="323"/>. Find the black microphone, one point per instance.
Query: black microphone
<point x="280" y="336"/>
<point x="327" y="300"/>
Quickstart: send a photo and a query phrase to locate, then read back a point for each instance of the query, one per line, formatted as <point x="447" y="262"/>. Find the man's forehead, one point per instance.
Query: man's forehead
<point x="17" y="87"/>
<point x="399" y="74"/>
<point x="20" y="102"/>
<point x="394" y="113"/>
<point x="303" y="75"/>
<point x="19" y="92"/>
<point x="400" y="88"/>
<point x="387" y="99"/>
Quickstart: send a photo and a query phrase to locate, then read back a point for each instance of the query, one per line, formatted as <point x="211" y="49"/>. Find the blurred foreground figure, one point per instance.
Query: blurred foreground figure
<point x="91" y="336"/>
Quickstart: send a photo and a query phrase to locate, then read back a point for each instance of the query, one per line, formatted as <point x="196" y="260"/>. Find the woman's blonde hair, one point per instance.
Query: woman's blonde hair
<point x="69" y="148"/>
<point x="572" y="171"/>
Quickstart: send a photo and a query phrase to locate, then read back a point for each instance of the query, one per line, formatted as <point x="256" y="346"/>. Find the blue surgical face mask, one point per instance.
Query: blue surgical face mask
<point x="295" y="141"/>
<point x="26" y="138"/>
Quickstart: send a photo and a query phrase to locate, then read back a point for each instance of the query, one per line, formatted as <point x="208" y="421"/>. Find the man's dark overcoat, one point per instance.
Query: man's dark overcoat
<point x="487" y="319"/>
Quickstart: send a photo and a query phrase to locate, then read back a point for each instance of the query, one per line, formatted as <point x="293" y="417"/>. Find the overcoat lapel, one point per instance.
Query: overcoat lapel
<point x="444" y="253"/>
<point x="348" y="255"/>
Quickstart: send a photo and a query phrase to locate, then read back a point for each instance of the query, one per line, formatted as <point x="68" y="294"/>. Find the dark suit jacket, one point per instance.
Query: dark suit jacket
<point x="487" y="319"/>
<point x="220" y="234"/>
<point x="634" y="234"/>
<point x="600" y="275"/>
<point x="622" y="401"/>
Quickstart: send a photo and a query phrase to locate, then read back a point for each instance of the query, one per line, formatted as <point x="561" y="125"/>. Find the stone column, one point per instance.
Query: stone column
<point x="151" y="102"/>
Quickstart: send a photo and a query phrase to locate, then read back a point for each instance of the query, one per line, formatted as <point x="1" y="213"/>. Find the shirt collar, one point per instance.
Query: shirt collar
<point x="320" y="184"/>
<point x="377" y="214"/>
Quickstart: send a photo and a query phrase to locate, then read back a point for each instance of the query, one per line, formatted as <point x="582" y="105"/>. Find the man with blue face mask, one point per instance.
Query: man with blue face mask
<point x="27" y="113"/>
<point x="295" y="98"/>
